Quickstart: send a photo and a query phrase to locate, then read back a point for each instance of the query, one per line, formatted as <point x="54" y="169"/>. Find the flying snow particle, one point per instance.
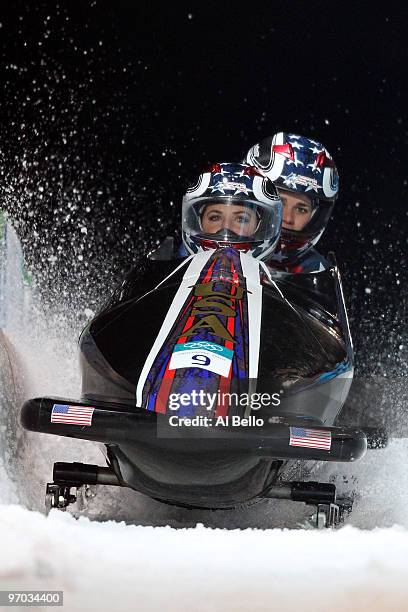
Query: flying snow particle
<point x="367" y="290"/>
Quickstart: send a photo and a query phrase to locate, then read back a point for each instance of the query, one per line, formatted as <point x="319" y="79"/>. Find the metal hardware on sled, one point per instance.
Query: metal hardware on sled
<point x="333" y="514"/>
<point x="84" y="473"/>
<point x="321" y="495"/>
<point x="79" y="475"/>
<point x="330" y="511"/>
<point x="308" y="492"/>
<point x="58" y="496"/>
<point x="327" y="515"/>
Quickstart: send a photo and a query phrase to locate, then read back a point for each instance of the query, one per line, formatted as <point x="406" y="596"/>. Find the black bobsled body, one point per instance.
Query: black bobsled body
<point x="277" y="345"/>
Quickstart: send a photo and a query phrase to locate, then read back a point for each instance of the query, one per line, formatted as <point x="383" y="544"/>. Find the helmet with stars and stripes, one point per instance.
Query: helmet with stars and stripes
<point x="300" y="168"/>
<point x="232" y="205"/>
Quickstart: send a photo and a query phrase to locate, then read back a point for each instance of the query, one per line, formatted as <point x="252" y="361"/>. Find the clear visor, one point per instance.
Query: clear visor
<point x="232" y="219"/>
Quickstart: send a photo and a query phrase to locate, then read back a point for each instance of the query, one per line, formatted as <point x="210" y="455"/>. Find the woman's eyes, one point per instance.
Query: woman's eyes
<point x="302" y="210"/>
<point x="242" y="219"/>
<point x="299" y="208"/>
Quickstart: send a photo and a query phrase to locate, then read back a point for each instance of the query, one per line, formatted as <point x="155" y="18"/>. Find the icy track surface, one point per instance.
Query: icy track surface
<point x="132" y="553"/>
<point x="113" y="566"/>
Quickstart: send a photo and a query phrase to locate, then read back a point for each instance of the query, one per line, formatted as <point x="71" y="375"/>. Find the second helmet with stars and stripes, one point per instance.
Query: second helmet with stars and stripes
<point x="299" y="166"/>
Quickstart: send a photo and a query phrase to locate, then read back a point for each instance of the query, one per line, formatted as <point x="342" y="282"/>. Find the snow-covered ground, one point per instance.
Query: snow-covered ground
<point x="131" y="553"/>
<point x="113" y="566"/>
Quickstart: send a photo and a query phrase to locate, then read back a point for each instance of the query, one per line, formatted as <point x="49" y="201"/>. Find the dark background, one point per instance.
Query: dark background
<point x="108" y="108"/>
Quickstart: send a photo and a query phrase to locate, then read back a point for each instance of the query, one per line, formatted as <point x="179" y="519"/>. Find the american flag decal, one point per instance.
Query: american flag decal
<point x="310" y="438"/>
<point x="72" y="415"/>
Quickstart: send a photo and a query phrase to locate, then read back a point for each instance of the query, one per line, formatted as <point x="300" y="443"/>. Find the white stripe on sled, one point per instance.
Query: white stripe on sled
<point x="190" y="278"/>
<point x="250" y="270"/>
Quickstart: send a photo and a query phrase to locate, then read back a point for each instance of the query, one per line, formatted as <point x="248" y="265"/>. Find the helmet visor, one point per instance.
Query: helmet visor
<point x="232" y="219"/>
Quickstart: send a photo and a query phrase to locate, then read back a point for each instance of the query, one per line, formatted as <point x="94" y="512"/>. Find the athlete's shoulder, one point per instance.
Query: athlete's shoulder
<point x="314" y="262"/>
<point x="309" y="263"/>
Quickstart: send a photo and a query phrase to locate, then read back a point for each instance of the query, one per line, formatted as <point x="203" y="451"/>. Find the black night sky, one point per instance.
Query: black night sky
<point x="108" y="108"/>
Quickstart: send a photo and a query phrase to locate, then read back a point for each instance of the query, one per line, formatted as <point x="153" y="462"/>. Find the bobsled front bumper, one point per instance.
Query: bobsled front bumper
<point x="123" y="425"/>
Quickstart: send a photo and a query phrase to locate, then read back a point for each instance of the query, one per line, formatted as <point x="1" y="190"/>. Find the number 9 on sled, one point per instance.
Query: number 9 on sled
<point x="214" y="358"/>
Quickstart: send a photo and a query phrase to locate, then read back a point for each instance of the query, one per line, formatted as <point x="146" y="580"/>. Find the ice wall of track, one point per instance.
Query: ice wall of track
<point x="13" y="302"/>
<point x="36" y="357"/>
<point x="14" y="291"/>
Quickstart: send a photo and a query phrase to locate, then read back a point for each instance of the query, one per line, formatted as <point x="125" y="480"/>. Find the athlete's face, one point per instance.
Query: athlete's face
<point x="235" y="217"/>
<point x="297" y="210"/>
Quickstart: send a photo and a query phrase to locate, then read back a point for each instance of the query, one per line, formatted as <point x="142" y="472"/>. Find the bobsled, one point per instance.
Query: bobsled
<point x="202" y="378"/>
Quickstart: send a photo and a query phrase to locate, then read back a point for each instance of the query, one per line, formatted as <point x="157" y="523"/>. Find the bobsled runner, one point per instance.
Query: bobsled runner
<point x="203" y="378"/>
